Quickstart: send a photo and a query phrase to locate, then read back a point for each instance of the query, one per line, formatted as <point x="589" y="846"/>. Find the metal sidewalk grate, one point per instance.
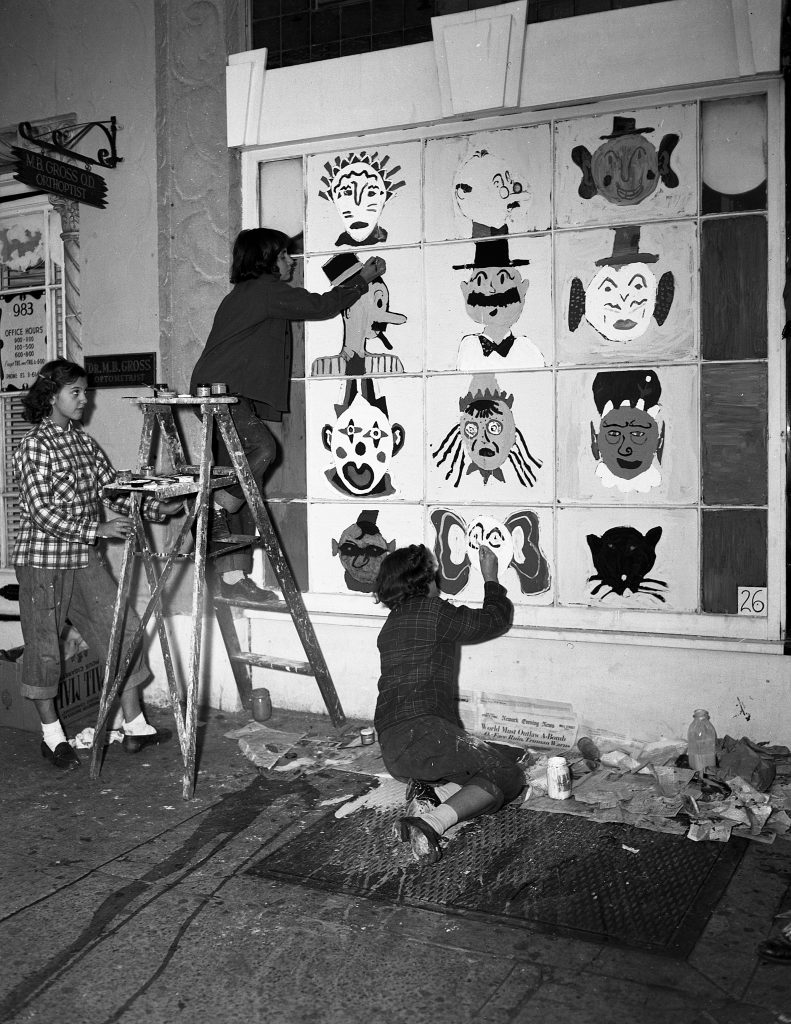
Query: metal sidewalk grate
<point x="555" y="872"/>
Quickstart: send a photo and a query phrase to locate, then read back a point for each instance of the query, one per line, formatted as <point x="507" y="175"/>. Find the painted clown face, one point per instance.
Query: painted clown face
<point x="362" y="444"/>
<point x="359" y="194"/>
<point x="625" y="170"/>
<point x="488" y="432"/>
<point x="628" y="440"/>
<point x="495" y="296"/>
<point x="489" y="531"/>
<point x="487" y="192"/>
<point x="620" y="301"/>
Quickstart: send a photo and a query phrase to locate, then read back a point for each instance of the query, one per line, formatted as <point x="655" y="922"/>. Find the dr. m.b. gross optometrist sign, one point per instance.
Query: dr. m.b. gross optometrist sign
<point x="59" y="178"/>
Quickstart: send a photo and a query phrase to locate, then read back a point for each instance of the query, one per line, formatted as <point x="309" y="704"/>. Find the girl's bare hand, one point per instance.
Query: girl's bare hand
<point x="489" y="565"/>
<point x="373" y="267"/>
<point x="116" y="529"/>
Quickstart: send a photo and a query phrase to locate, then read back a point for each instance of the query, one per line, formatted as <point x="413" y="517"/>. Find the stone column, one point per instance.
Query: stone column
<point x="70" y="221"/>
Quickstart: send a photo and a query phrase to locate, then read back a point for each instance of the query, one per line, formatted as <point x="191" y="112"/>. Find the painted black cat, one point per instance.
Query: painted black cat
<point x="622" y="558"/>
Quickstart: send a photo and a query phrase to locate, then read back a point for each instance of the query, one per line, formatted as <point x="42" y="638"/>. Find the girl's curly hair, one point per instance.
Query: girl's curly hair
<point x="37" y="403"/>
<point x="404" y="573"/>
<point x="255" y="252"/>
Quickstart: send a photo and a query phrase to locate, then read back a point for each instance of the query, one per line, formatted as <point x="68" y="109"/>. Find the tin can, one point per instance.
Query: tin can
<point x="220" y="388"/>
<point x="558" y="779"/>
<point x="123" y="476"/>
<point x="203" y="390"/>
<point x="162" y="389"/>
<point x="261" y="705"/>
<point x="367" y="735"/>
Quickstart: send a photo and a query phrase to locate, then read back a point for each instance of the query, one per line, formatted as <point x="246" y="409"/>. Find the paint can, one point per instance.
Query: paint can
<point x="220" y="388"/>
<point x="558" y="779"/>
<point x="123" y="476"/>
<point x="203" y="390"/>
<point x="367" y="735"/>
<point x="162" y="389"/>
<point x="261" y="705"/>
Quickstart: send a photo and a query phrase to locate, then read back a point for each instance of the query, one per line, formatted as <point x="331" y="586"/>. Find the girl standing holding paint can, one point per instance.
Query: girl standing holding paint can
<point x="249" y="349"/>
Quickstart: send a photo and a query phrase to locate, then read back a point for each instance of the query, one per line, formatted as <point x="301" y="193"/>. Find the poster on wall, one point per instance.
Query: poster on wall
<point x="358" y="198"/>
<point x="382" y="332"/>
<point x="365" y="439"/>
<point x="634" y="165"/>
<point x="629" y="557"/>
<point x="490" y="437"/>
<point x="348" y="542"/>
<point x="489" y="305"/>
<point x="521" y="537"/>
<point x="23" y="338"/>
<point x="626" y="294"/>
<point x="628" y="436"/>
<point x="490" y="183"/>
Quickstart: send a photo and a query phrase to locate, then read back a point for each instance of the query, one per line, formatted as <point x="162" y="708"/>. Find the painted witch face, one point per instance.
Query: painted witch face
<point x="628" y="440"/>
<point x="359" y="194"/>
<point x="362" y="444"/>
<point x="488" y="192"/>
<point x="495" y="296"/>
<point x="488" y="432"/>
<point x="620" y="301"/>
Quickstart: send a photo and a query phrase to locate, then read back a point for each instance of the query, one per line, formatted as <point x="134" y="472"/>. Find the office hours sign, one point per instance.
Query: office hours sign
<point x="23" y="338"/>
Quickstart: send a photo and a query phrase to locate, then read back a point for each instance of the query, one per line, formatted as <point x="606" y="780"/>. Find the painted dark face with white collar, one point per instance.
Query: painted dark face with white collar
<point x="628" y="440"/>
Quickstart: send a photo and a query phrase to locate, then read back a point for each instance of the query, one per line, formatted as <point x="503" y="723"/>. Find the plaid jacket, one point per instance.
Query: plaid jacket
<point x="61" y="474"/>
<point x="417" y="646"/>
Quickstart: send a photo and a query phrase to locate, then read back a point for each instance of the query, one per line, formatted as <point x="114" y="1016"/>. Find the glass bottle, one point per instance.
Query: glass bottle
<point x="701" y="742"/>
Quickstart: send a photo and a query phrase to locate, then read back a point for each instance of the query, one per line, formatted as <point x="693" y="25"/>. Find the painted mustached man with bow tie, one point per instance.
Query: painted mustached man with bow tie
<point x="495" y="297"/>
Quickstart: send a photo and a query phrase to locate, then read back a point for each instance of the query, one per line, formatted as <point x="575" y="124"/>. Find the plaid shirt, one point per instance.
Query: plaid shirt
<point x="417" y="645"/>
<point x="61" y="474"/>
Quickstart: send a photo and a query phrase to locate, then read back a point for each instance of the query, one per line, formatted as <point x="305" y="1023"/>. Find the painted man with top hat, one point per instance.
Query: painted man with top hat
<point x="494" y="296"/>
<point x="363" y="321"/>
<point x="626" y="168"/>
<point x="624" y="293"/>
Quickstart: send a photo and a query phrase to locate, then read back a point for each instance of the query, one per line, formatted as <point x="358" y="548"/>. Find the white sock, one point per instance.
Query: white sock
<point x="233" y="576"/>
<point x="440" y="818"/>
<point x="138" y="726"/>
<point x="445" y="790"/>
<point x="53" y="734"/>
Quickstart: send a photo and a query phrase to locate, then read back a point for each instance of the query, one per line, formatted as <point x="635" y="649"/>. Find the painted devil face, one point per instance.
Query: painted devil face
<point x="359" y="194"/>
<point x="625" y="170"/>
<point x="620" y="301"/>
<point x="628" y="440"/>
<point x="495" y="296"/>
<point x="362" y="444"/>
<point x="488" y="432"/>
<point x="488" y="192"/>
<point x="361" y="551"/>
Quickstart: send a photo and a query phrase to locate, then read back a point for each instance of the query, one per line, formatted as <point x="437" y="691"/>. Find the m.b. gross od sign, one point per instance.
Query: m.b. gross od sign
<point x="59" y="178"/>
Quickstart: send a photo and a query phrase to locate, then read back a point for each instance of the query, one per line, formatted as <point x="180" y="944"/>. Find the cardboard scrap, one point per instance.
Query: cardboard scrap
<point x="262" y="745"/>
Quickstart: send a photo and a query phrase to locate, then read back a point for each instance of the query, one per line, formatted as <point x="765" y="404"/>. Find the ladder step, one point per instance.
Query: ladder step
<point x="300" y="668"/>
<point x="249" y="602"/>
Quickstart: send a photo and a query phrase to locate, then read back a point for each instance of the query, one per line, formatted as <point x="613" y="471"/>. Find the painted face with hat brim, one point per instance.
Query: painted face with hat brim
<point x="495" y="293"/>
<point x="620" y="300"/>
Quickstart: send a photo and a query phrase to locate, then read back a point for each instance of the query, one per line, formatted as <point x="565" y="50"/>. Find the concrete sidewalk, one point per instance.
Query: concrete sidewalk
<point x="121" y="902"/>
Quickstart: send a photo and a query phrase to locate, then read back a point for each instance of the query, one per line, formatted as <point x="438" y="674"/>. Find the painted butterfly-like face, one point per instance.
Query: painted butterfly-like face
<point x="491" y="532"/>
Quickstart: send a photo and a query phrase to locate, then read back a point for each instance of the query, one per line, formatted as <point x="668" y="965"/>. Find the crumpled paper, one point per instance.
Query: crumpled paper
<point x="84" y="739"/>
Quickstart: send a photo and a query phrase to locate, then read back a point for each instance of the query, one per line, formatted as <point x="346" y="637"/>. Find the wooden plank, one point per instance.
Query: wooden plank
<point x="300" y="668"/>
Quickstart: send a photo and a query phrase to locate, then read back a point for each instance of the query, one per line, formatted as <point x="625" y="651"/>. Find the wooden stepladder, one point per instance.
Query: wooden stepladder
<point x="195" y="484"/>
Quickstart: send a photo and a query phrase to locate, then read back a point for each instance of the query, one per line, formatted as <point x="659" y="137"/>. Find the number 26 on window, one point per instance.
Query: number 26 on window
<point x="751" y="601"/>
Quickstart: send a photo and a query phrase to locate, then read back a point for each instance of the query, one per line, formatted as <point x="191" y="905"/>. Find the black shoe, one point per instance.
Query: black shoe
<point x="134" y="744"/>
<point x="246" y="590"/>
<point x="420" y="797"/>
<point x="423" y="839"/>
<point x="219" y="532"/>
<point x="777" y="951"/>
<point x="62" y="757"/>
